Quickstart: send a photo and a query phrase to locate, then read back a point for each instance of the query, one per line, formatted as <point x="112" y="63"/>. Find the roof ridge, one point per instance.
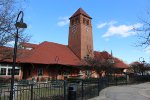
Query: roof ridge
<point x="73" y="52"/>
<point x="52" y="43"/>
<point x="80" y="11"/>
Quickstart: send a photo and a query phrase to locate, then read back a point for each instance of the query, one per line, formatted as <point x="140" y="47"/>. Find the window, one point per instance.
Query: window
<point x="29" y="72"/>
<point x="83" y="20"/>
<point x="77" y="20"/>
<point x="6" y="69"/>
<point x="66" y="73"/>
<point x="72" y="22"/>
<point x="9" y="71"/>
<point x="40" y="71"/>
<point x="88" y="73"/>
<point x="87" y="22"/>
<point x="3" y="71"/>
<point x="28" y="48"/>
<point x="16" y="71"/>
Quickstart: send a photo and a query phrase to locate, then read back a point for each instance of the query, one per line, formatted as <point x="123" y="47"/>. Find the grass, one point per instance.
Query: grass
<point x="38" y="93"/>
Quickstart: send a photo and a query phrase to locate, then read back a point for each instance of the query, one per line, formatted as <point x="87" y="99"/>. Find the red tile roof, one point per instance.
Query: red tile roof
<point x="80" y="11"/>
<point x="52" y="53"/>
<point x="120" y="64"/>
<point x="6" y="54"/>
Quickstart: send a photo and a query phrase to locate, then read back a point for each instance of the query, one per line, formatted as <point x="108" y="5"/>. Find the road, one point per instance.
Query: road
<point x="127" y="92"/>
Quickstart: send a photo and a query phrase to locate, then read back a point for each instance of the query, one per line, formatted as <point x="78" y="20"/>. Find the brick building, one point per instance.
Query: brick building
<point x="49" y="60"/>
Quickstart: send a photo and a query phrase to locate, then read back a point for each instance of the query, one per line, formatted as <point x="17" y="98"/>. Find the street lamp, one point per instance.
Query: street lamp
<point x="142" y="61"/>
<point x="110" y="62"/>
<point x="18" y="24"/>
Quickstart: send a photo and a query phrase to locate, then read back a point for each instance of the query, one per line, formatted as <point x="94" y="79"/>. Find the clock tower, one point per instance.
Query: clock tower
<point x="80" y="34"/>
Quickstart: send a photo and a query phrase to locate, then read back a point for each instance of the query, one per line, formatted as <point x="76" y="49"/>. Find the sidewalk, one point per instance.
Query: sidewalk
<point x="126" y="92"/>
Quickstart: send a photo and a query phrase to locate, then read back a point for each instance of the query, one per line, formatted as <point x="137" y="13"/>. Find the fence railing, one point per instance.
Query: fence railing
<point x="39" y="91"/>
<point x="62" y="89"/>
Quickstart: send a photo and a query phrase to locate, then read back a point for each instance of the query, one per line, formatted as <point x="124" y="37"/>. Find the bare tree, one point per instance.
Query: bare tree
<point x="99" y="64"/>
<point x="8" y="15"/>
<point x="139" y="68"/>
<point x="5" y="53"/>
<point x="94" y="66"/>
<point x="144" y="32"/>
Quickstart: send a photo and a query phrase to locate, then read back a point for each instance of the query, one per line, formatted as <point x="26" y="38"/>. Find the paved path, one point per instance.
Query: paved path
<point x="127" y="92"/>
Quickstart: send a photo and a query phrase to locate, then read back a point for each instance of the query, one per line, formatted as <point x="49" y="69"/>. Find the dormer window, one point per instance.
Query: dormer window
<point x="28" y="48"/>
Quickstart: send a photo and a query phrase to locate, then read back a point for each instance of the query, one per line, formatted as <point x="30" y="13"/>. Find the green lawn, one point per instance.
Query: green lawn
<point x="43" y="92"/>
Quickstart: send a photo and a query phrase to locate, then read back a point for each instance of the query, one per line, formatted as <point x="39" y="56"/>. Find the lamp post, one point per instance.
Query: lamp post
<point x="18" y="24"/>
<point x="142" y="61"/>
<point x="110" y="62"/>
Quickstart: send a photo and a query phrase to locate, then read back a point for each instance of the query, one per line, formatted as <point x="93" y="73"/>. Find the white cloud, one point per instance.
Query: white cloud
<point x="63" y="21"/>
<point x="10" y="44"/>
<point x="147" y="50"/>
<point x="112" y="22"/>
<point x="102" y="25"/>
<point x="122" y="30"/>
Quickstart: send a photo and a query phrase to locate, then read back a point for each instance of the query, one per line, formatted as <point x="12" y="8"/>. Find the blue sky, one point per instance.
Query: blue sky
<point x="112" y="22"/>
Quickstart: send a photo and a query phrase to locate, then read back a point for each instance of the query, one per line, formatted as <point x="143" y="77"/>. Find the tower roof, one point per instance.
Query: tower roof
<point x="82" y="12"/>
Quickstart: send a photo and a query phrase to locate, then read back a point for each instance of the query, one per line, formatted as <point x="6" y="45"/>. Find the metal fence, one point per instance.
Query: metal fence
<point x="60" y="90"/>
<point x="85" y="89"/>
<point x="39" y="91"/>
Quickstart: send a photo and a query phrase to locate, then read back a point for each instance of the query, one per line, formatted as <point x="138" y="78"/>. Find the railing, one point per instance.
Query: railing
<point x="41" y="91"/>
<point x="85" y="89"/>
<point x="58" y="90"/>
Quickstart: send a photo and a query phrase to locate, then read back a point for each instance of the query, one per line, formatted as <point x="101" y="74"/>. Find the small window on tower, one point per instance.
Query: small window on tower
<point x="87" y="22"/>
<point x="72" y="22"/>
<point x="77" y="20"/>
<point x="83" y="20"/>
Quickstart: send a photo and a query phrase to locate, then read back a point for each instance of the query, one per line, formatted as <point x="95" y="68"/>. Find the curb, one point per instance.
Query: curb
<point x="101" y="96"/>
